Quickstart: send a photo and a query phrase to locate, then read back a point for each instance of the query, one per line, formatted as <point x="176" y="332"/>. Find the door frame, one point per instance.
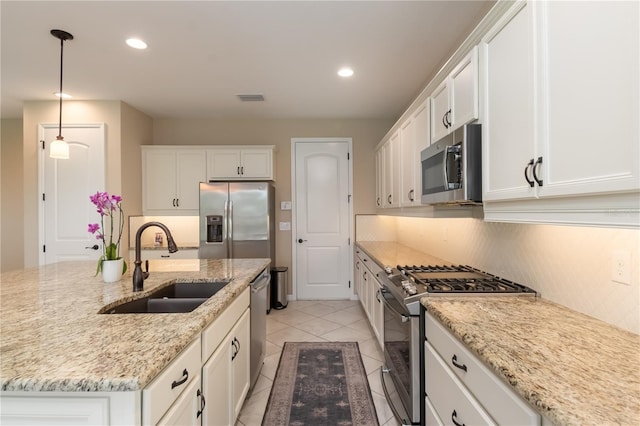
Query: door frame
<point x="294" y="238"/>
<point x="42" y="127"/>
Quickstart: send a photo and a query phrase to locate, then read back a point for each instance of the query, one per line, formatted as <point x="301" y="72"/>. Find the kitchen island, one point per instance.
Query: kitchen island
<point x="54" y="339"/>
<point x="571" y="368"/>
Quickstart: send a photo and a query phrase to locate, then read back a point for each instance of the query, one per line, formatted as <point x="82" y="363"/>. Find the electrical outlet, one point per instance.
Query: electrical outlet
<point x="285" y="226"/>
<point x="621" y="266"/>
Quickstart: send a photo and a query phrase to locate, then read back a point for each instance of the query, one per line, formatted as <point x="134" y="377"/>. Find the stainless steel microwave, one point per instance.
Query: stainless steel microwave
<point x="452" y="168"/>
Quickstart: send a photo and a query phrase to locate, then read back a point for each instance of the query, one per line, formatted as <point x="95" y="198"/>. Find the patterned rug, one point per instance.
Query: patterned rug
<point x="320" y="383"/>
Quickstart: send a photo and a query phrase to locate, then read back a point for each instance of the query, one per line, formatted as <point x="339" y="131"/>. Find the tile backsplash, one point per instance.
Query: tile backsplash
<point x="184" y="230"/>
<point x="568" y="265"/>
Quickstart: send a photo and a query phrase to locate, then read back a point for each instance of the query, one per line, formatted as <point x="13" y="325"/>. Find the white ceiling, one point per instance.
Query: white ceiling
<point x="203" y="53"/>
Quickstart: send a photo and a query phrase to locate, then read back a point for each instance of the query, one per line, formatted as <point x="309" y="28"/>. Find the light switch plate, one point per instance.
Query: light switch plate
<point x="285" y="226"/>
<point x="285" y="205"/>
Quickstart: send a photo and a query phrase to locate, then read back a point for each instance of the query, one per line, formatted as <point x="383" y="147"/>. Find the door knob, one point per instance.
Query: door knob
<point x="93" y="247"/>
<point x="300" y="240"/>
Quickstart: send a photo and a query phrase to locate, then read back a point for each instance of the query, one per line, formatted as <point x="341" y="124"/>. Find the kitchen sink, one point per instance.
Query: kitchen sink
<point x="178" y="297"/>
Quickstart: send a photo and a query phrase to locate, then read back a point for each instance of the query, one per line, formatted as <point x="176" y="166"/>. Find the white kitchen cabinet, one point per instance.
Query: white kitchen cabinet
<point x="455" y="101"/>
<point x="161" y="394"/>
<point x="65" y="408"/>
<point x="187" y="410"/>
<point x="379" y="178"/>
<point x="240" y="163"/>
<point x="561" y="108"/>
<point x="369" y="293"/>
<point x="390" y="166"/>
<point x="457" y="381"/>
<point x="414" y="137"/>
<point x="170" y="179"/>
<point x="225" y="375"/>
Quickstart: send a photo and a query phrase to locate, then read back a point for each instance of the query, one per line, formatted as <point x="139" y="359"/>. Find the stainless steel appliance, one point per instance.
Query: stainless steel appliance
<point x="403" y="287"/>
<point x="452" y="168"/>
<point x="237" y="220"/>
<point x="258" y="321"/>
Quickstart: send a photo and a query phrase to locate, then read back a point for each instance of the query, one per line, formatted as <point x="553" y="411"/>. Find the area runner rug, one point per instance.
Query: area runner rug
<point x="320" y="383"/>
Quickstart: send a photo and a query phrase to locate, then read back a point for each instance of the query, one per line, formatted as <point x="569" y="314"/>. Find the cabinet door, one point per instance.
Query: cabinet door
<point x="191" y="170"/>
<point x="508" y="123"/>
<point x="464" y="91"/>
<point x="357" y="278"/>
<point x="421" y="141"/>
<point x="256" y="164"/>
<point x="380" y="178"/>
<point x="378" y="316"/>
<point x="216" y="385"/>
<point x="240" y="380"/>
<point x="159" y="180"/>
<point x="440" y="111"/>
<point x="223" y="164"/>
<point x="407" y="194"/>
<point x="391" y="181"/>
<point x="591" y="78"/>
<point x="186" y="410"/>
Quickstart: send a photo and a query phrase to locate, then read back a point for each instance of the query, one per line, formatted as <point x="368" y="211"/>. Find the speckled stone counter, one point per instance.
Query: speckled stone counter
<point x="52" y="337"/>
<point x="572" y="368"/>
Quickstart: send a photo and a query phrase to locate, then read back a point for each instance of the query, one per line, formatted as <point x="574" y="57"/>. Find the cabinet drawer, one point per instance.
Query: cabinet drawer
<point x="185" y="411"/>
<point x="451" y="400"/>
<point x="430" y="416"/>
<point x="160" y="394"/>
<point x="504" y="405"/>
<point x="213" y="335"/>
<point x="368" y="262"/>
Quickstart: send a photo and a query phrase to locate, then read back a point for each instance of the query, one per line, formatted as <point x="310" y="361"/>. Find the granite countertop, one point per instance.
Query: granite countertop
<point x="53" y="339"/>
<point x="571" y="368"/>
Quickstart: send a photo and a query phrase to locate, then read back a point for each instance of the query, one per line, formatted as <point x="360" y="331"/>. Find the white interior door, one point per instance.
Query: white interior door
<point x="65" y="186"/>
<point x="322" y="219"/>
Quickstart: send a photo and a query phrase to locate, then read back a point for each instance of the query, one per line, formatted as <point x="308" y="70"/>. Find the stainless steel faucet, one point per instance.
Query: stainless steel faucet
<point x="138" y="275"/>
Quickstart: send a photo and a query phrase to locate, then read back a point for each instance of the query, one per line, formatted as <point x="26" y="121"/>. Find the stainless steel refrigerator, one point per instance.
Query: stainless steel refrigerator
<point x="237" y="220"/>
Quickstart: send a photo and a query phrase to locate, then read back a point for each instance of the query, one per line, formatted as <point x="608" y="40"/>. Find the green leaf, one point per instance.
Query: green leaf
<point x="124" y="267"/>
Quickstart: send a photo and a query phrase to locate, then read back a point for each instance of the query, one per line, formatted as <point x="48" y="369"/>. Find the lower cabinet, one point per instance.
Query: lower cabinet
<point x="225" y="376"/>
<point x="461" y="390"/>
<point x="368" y="289"/>
<point x="187" y="410"/>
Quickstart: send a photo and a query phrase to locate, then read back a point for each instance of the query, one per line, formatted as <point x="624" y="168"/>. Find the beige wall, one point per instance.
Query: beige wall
<point x="120" y="145"/>
<point x="365" y="134"/>
<point x="11" y="196"/>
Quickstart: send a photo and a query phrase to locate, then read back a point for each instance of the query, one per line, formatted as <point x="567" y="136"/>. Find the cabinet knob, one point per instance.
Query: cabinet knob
<point x="526" y="173"/>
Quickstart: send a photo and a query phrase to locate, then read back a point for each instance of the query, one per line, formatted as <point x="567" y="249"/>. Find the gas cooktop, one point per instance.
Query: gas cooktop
<point x="410" y="283"/>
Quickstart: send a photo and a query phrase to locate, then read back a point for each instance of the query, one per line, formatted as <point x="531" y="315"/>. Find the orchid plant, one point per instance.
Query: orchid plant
<point x="110" y="206"/>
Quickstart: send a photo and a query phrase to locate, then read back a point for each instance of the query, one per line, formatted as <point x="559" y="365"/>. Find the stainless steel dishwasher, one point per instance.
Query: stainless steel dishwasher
<point x="258" y="322"/>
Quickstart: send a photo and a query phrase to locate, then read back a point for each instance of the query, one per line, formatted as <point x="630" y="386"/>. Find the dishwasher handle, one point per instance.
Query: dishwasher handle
<point x="261" y="281"/>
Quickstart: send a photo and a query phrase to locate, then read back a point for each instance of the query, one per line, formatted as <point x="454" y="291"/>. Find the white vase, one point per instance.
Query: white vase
<point x="112" y="270"/>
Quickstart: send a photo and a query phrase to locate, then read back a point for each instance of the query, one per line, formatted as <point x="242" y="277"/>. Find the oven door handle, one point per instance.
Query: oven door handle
<point x="404" y="317"/>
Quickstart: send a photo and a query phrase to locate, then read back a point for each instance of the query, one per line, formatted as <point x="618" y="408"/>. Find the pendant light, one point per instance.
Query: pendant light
<point x="59" y="148"/>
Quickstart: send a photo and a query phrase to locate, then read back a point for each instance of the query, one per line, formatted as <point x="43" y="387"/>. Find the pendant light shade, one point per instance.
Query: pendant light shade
<point x="59" y="148"/>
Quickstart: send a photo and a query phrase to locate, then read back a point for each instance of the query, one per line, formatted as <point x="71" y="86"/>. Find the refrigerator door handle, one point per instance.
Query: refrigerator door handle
<point x="230" y="228"/>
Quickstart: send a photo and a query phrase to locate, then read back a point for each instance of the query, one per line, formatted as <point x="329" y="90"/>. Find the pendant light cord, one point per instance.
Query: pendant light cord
<point x="60" y="94"/>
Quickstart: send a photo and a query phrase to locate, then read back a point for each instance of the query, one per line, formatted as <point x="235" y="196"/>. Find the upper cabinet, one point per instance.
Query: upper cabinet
<point x="240" y="163"/>
<point x="454" y="102"/>
<point x="560" y="116"/>
<point x="414" y="137"/>
<point x="170" y="179"/>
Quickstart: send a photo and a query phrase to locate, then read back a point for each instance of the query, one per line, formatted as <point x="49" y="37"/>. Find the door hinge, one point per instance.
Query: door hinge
<point x="349" y="241"/>
<point x="349" y="283"/>
<point x="44" y="249"/>
<point x="349" y="198"/>
<point x="348" y="156"/>
<point x="42" y="142"/>
<point x="43" y="197"/>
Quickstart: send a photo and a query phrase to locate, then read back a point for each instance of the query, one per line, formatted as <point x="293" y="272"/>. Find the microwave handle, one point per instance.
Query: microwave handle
<point x="449" y="150"/>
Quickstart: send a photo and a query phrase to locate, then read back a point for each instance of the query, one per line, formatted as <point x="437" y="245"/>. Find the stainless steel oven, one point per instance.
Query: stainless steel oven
<point x="403" y="287"/>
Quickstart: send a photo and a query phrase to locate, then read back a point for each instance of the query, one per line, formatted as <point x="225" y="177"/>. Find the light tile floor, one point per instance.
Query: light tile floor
<point x="317" y="321"/>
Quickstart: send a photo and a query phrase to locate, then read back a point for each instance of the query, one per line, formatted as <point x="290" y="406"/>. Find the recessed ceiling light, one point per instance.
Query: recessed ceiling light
<point x="136" y="43"/>
<point x="63" y="95"/>
<point x="345" y="72"/>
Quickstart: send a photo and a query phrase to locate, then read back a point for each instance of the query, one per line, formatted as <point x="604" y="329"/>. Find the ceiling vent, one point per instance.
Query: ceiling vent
<point x="251" y="97"/>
